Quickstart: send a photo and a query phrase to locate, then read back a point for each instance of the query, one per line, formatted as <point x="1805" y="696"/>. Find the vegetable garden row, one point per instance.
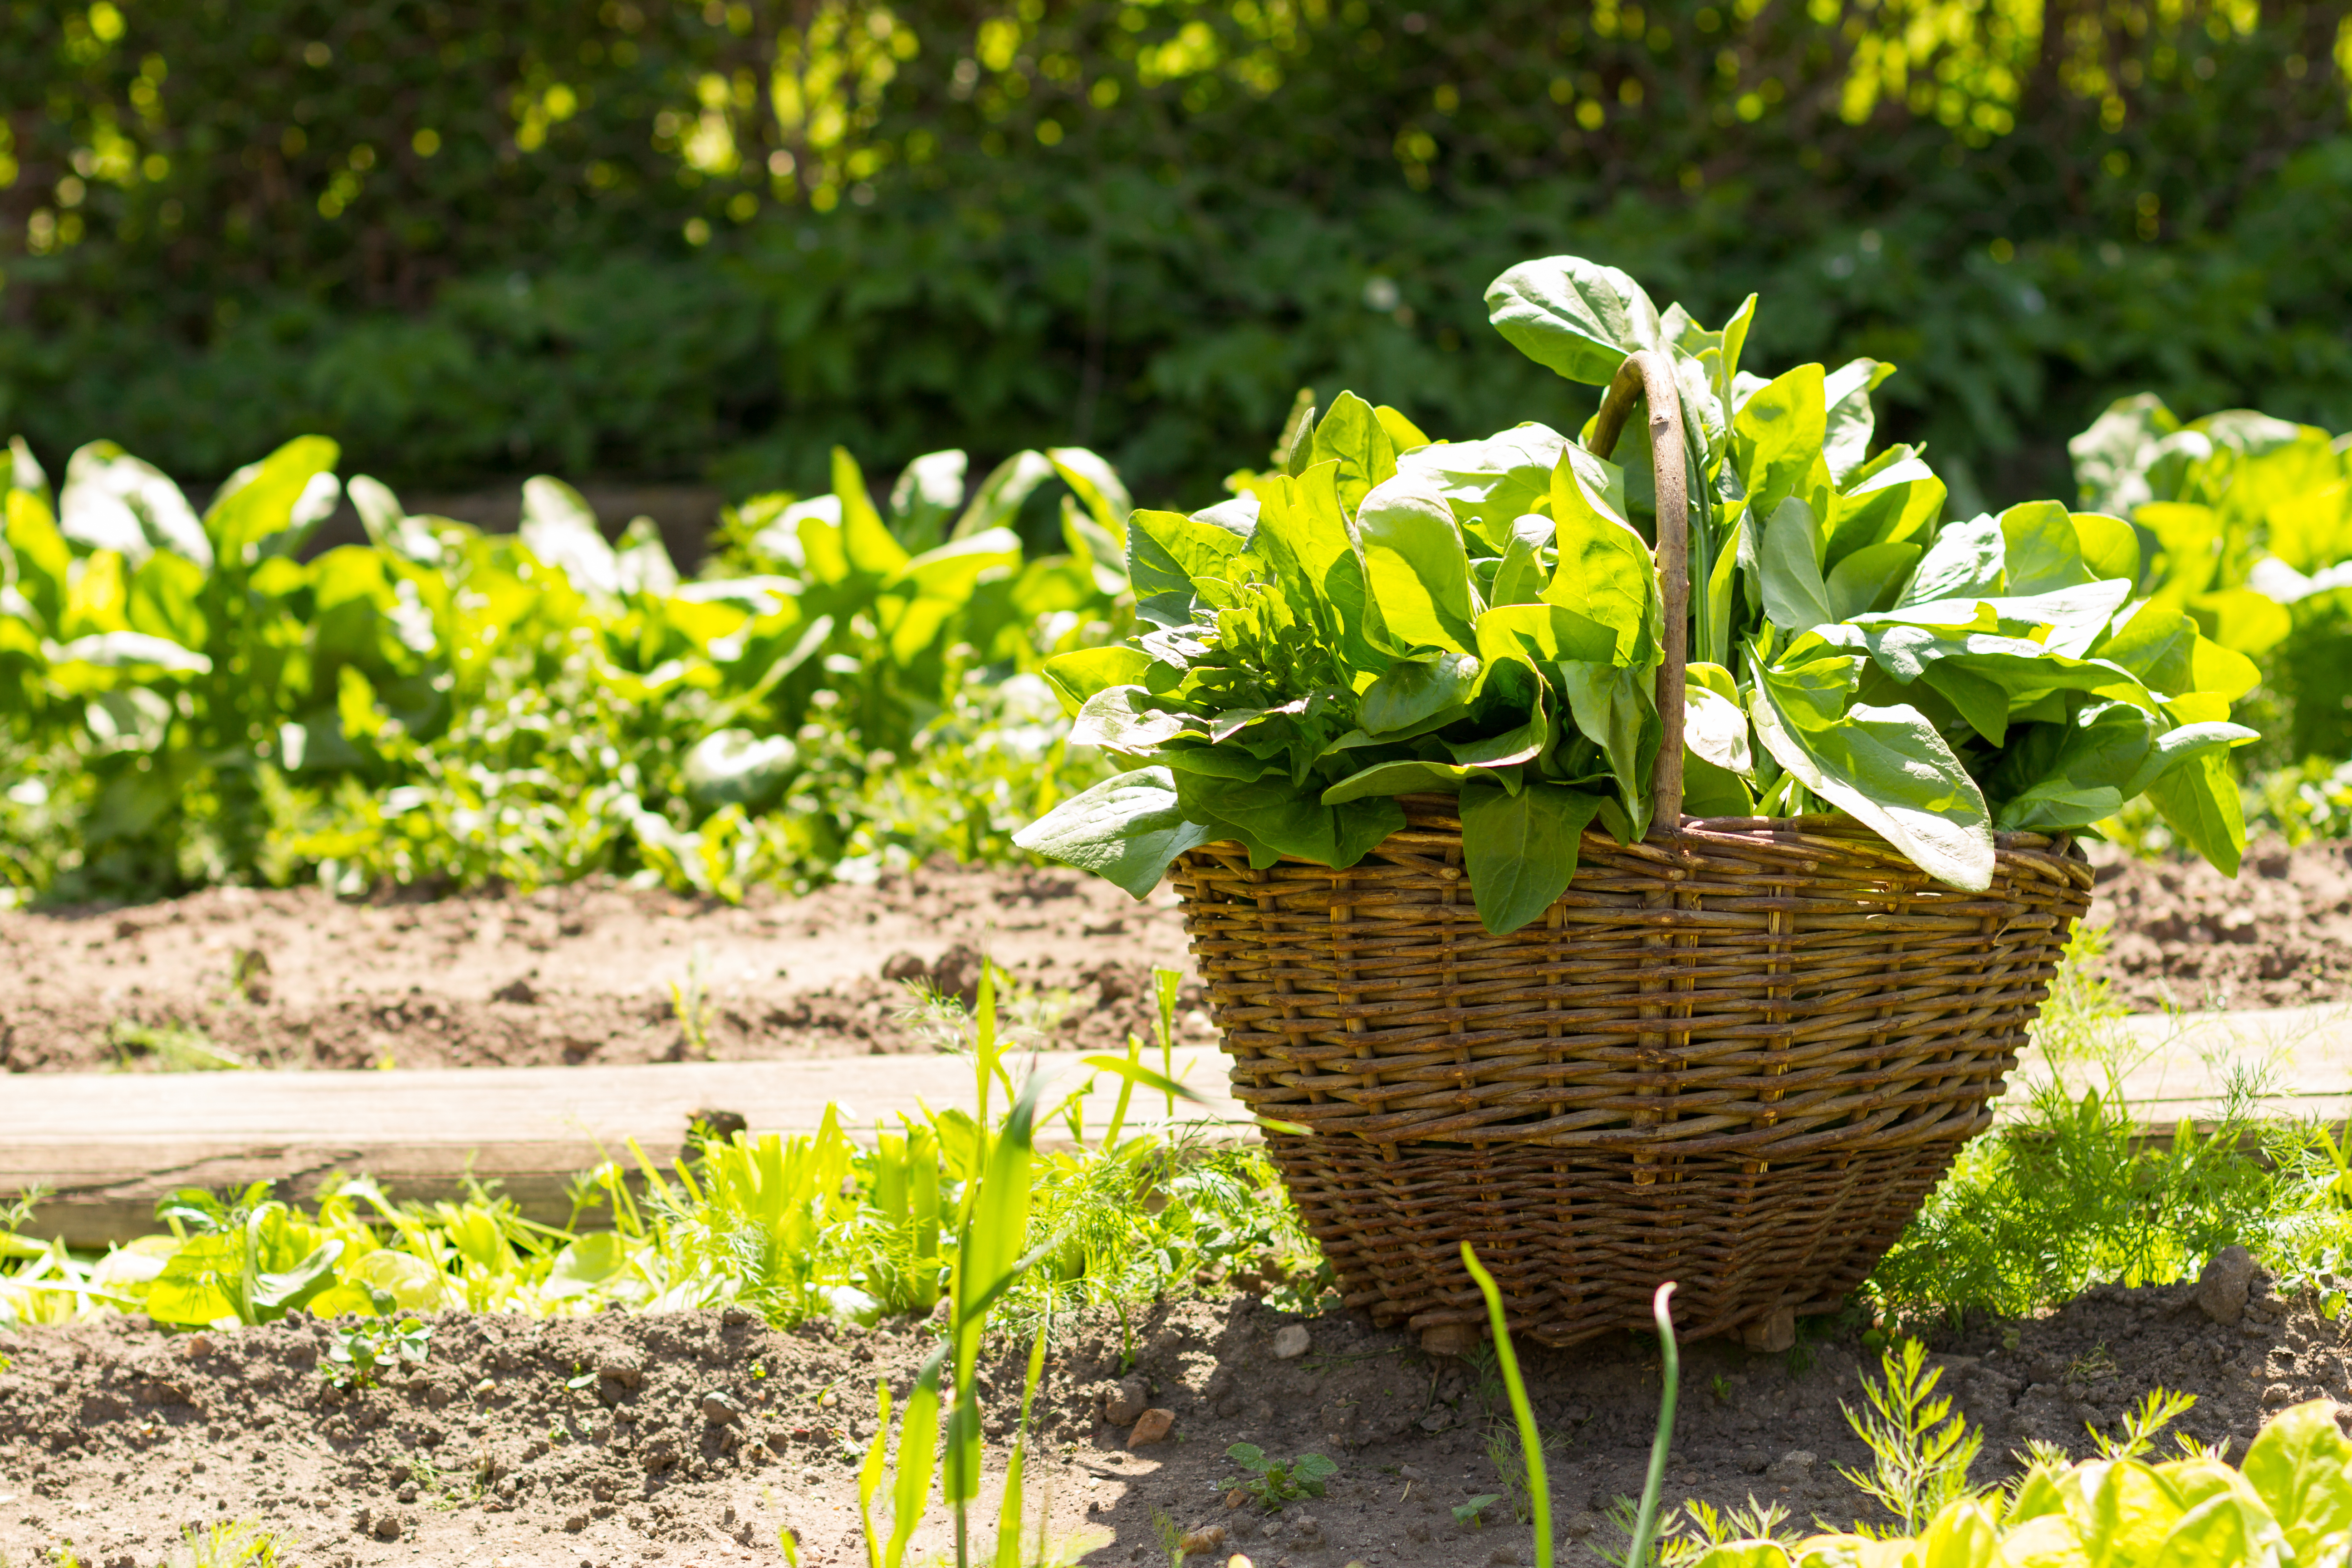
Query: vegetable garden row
<point x="1477" y="631"/>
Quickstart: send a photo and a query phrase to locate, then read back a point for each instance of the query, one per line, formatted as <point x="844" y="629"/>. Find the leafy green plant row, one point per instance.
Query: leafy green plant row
<point x="2244" y="521"/>
<point x="184" y="698"/>
<point x="1485" y="619"/>
<point x="792" y="1227"/>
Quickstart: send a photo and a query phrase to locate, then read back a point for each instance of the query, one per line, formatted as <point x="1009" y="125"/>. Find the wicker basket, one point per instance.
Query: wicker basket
<point x="1736" y="1055"/>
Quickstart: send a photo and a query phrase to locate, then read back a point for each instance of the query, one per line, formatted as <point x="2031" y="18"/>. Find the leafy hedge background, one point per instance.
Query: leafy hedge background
<point x="471" y="239"/>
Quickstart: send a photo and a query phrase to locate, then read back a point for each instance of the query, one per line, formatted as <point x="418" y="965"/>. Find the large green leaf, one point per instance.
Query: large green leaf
<point x="1965" y="561"/>
<point x="1573" y="316"/>
<point x="1078" y="675"/>
<point x="1542" y="634"/>
<point x="1097" y="485"/>
<point x="1870" y="578"/>
<point x="560" y="530"/>
<point x="1898" y="504"/>
<point x="1850" y="421"/>
<point x="2183" y="744"/>
<point x="999" y="497"/>
<point x="1121" y="719"/>
<point x="1796" y="600"/>
<point x="1302" y="535"/>
<point x="1403" y="777"/>
<point x="1521" y="849"/>
<point x="2200" y="802"/>
<point x="271" y="508"/>
<point x="928" y="491"/>
<point x="2164" y="648"/>
<point x="1886" y="765"/>
<point x="2040" y="552"/>
<point x="1605" y="573"/>
<point x="1273" y="820"/>
<point x="1777" y="440"/>
<point x="2299" y="1465"/>
<point x="1416" y="568"/>
<point x="112" y="500"/>
<point x="1352" y="435"/>
<point x="864" y="538"/>
<point x="1489" y="483"/>
<point x="1415" y="690"/>
<point x="1126" y="830"/>
<point x="1615" y="709"/>
<point x="1169" y="555"/>
<point x="166" y="599"/>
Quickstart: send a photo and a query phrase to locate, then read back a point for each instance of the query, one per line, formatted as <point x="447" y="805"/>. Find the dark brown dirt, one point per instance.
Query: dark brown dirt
<point x="113" y="1435"/>
<point x="2184" y="936"/>
<point x="295" y="978"/>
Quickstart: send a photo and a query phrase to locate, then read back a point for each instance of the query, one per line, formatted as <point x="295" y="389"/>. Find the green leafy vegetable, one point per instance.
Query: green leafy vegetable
<point x="1482" y="619"/>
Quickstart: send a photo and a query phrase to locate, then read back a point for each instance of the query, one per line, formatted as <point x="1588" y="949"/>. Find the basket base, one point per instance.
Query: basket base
<point x="1578" y="1240"/>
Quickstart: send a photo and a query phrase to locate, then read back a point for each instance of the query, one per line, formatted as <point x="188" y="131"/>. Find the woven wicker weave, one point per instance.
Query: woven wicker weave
<point x="1737" y="1060"/>
<point x="1736" y="1055"/>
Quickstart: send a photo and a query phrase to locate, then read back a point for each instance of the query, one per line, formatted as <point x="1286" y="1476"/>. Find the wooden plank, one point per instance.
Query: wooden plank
<point x="2290" y="1062"/>
<point x="108" y="1145"/>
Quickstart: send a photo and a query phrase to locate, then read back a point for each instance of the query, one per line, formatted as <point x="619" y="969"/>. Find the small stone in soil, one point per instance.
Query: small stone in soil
<point x="1291" y="1343"/>
<point x="1794" y="1468"/>
<point x="1126" y="1403"/>
<point x="1153" y="1426"/>
<point x="2222" y="1288"/>
<point x="1207" y="1538"/>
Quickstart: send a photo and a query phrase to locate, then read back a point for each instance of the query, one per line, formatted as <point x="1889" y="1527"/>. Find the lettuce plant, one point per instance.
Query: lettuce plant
<point x="1393" y="615"/>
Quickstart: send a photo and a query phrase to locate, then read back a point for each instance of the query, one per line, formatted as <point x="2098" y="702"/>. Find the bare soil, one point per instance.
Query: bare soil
<point x="295" y="978"/>
<point x="2184" y="936"/>
<point x="699" y="1435"/>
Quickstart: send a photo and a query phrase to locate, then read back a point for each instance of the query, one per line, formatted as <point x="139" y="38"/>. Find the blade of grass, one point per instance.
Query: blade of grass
<point x="1530" y="1440"/>
<point x="1164" y="984"/>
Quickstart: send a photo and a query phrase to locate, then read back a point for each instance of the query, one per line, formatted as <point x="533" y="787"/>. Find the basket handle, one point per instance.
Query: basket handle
<point x="1651" y="373"/>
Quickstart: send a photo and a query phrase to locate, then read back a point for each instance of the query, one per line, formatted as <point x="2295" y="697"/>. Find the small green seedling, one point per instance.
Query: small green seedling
<point x="1272" y="1482"/>
<point x="358" y="1355"/>
<point x="580" y="1380"/>
<point x="1722" y="1386"/>
<point x="1471" y="1512"/>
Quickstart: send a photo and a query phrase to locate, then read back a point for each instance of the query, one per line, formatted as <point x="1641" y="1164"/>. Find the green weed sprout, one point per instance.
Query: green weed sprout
<point x="242" y="1544"/>
<point x="2156" y="1409"/>
<point x="1473" y="1512"/>
<point x="1921" y="1452"/>
<point x="1272" y="1482"/>
<point x="1530" y="1440"/>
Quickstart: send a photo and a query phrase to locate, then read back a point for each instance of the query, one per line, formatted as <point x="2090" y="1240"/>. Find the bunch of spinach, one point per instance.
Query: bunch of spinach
<point x="1390" y="614"/>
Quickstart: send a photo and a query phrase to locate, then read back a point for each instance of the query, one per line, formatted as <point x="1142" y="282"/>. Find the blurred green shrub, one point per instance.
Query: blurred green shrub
<point x="659" y="237"/>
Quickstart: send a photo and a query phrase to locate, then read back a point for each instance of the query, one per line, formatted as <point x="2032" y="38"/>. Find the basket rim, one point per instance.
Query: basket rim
<point x="1833" y="833"/>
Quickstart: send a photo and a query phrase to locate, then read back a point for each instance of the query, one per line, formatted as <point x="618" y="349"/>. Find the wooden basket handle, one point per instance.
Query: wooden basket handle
<point x="1651" y="373"/>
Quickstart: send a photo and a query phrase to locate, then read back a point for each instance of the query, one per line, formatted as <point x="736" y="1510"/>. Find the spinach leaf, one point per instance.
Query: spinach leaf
<point x="1127" y="830"/>
<point x="1573" y="316"/>
<point x="1796" y="600"/>
<point x="1886" y="765"/>
<point x="1416" y="567"/>
<point x="1521" y="849"/>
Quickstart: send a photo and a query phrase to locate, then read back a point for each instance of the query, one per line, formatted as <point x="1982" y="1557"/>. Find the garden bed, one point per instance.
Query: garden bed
<point x="583" y="973"/>
<point x="113" y="1435"/>
<point x="295" y="978"/>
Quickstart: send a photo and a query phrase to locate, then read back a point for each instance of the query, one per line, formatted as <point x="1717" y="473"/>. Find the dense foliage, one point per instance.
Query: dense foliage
<point x="662" y="236"/>
<point x="1484" y="619"/>
<point x="184" y="700"/>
